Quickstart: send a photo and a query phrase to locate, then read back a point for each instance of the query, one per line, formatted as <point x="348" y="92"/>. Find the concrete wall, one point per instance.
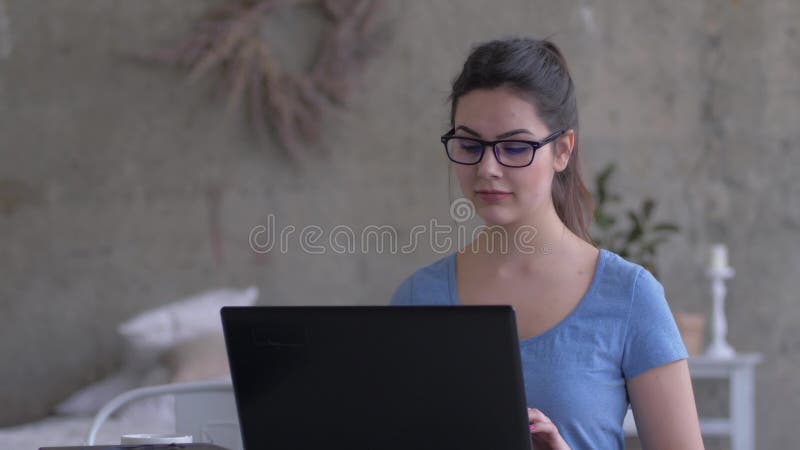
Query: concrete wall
<point x="108" y="169"/>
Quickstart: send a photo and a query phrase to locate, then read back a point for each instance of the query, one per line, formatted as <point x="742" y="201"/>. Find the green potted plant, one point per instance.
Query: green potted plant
<point x="633" y="233"/>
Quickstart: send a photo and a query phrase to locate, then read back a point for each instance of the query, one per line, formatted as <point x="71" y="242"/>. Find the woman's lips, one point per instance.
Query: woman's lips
<point x="492" y="196"/>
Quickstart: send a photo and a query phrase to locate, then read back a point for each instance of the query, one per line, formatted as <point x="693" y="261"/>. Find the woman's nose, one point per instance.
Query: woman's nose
<point x="489" y="167"/>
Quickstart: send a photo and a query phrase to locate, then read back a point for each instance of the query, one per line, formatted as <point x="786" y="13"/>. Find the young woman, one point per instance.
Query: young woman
<point x="596" y="332"/>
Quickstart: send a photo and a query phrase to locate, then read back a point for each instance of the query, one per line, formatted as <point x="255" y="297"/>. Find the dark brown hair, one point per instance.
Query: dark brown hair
<point x="538" y="71"/>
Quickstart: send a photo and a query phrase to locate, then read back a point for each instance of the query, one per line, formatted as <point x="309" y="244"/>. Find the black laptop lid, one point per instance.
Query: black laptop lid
<point x="377" y="378"/>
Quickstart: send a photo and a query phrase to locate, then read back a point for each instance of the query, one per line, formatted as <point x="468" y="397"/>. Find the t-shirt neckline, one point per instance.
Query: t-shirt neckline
<point x="601" y="260"/>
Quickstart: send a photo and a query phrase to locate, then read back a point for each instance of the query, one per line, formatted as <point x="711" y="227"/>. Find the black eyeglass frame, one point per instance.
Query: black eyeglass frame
<point x="536" y="145"/>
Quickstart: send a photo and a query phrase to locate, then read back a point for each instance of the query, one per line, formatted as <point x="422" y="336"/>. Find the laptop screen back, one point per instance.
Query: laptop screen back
<point x="379" y="378"/>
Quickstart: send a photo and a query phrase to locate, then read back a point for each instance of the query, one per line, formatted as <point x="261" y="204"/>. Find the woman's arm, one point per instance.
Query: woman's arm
<point x="663" y="406"/>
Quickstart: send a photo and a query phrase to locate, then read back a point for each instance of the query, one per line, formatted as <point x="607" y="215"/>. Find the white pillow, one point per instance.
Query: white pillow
<point x="203" y="358"/>
<point x="148" y="336"/>
<point x="160" y="329"/>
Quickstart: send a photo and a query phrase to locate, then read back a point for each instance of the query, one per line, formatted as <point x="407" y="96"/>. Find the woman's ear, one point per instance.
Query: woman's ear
<point x="562" y="150"/>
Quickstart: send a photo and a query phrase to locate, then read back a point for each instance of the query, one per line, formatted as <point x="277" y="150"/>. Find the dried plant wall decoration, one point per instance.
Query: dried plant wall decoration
<point x="229" y="42"/>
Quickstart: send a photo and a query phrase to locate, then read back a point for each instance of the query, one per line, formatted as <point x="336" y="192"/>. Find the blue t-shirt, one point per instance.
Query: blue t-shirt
<point x="575" y="372"/>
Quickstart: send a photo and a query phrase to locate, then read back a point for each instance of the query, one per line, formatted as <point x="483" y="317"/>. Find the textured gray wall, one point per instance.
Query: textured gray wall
<point x="106" y="168"/>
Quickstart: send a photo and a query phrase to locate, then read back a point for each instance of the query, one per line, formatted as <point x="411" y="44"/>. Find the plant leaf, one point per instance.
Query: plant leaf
<point x="636" y="227"/>
<point x="666" y="227"/>
<point x="648" y="204"/>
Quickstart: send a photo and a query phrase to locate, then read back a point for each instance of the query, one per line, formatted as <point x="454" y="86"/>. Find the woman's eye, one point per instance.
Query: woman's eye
<point x="470" y="147"/>
<point x="516" y="150"/>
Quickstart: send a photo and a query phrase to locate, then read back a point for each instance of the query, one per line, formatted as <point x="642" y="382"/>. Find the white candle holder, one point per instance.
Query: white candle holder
<point x="719" y="347"/>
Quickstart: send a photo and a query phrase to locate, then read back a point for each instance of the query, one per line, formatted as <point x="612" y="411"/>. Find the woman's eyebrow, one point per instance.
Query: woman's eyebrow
<point x="505" y="135"/>
<point x="508" y="134"/>
<point x="468" y="130"/>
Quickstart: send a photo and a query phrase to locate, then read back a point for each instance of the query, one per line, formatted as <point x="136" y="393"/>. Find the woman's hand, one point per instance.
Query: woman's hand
<point x="544" y="433"/>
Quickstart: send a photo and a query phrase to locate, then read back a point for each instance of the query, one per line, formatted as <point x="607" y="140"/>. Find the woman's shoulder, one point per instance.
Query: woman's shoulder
<point x="440" y="268"/>
<point x="618" y="264"/>
<point x="623" y="271"/>
<point x="430" y="284"/>
<point x="625" y="280"/>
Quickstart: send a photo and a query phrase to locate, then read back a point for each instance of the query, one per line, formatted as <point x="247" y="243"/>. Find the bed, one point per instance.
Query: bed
<point x="175" y="344"/>
<point x="206" y="410"/>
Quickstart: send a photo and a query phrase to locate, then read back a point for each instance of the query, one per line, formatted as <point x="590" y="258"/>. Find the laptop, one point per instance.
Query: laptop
<point x="377" y="378"/>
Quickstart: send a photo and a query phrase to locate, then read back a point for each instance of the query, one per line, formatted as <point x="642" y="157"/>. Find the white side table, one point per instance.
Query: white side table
<point x="739" y="426"/>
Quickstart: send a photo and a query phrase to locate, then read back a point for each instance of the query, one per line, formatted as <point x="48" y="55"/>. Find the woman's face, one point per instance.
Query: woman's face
<point x="507" y="195"/>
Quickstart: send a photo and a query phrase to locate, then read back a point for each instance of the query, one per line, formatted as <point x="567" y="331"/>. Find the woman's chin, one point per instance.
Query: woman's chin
<point x="495" y="215"/>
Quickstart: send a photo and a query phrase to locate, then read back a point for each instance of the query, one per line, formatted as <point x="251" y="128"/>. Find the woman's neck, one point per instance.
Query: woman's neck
<point x="528" y="242"/>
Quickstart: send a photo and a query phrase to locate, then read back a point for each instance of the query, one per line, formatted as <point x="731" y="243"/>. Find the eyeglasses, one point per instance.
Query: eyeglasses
<point x="508" y="152"/>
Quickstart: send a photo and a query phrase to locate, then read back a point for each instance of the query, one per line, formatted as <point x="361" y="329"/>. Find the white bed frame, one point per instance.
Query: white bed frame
<point x="206" y="410"/>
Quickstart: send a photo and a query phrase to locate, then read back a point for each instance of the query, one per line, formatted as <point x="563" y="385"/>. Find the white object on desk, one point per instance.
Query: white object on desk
<point x="141" y="439"/>
<point x="719" y="271"/>
<point x="739" y="425"/>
